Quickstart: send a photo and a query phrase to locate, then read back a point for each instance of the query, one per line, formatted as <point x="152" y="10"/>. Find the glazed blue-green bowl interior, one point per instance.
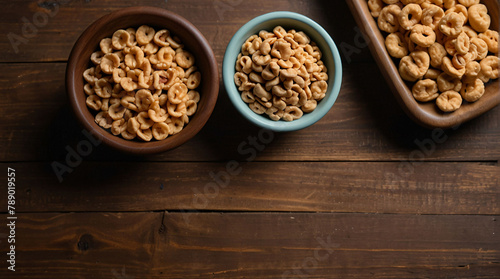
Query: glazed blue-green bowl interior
<point x="287" y="20"/>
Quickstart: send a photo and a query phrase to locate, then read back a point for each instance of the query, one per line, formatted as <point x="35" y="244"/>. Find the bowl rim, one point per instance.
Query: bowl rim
<point x="135" y="147"/>
<point x="228" y="71"/>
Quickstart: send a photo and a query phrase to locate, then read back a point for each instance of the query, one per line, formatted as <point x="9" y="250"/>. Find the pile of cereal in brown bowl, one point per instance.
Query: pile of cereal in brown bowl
<point x="444" y="48"/>
<point x="142" y="84"/>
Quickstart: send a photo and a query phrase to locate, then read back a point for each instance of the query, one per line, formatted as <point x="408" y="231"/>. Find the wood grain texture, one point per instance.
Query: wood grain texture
<point x="237" y="245"/>
<point x="392" y="199"/>
<point x="426" y="188"/>
<point x="365" y="123"/>
<point x="218" y="20"/>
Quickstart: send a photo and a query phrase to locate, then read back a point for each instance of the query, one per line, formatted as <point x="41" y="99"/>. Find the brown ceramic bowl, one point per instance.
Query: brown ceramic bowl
<point x="426" y="114"/>
<point x="193" y="40"/>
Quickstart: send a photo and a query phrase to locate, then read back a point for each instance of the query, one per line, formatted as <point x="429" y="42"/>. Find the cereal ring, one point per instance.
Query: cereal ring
<point x="160" y="37"/>
<point x="279" y="31"/>
<point x="150" y="48"/>
<point x="462" y="43"/>
<point x="144" y="34"/>
<point x="396" y="47"/>
<point x="129" y="102"/>
<point x="184" y="59"/>
<point x="145" y="135"/>
<point x="468" y="3"/>
<point x="120" y="39"/>
<point x="128" y="84"/>
<point x="422" y="35"/>
<point x="469" y="31"/>
<point x="449" y="101"/>
<point x="472" y="91"/>
<point x="271" y="71"/>
<point x="166" y="55"/>
<point x="194" y="80"/>
<point x="102" y="88"/>
<point x="176" y="110"/>
<point x="246" y="64"/>
<point x="118" y="74"/>
<point x="261" y="93"/>
<point x="448" y="4"/>
<point x="116" y="111"/>
<point x="375" y="7"/>
<point x="409" y="16"/>
<point x="301" y="38"/>
<point x="281" y="49"/>
<point x="247" y="97"/>
<point x="425" y="90"/>
<point x="491" y="39"/>
<point x="105" y="105"/>
<point x="106" y="45"/>
<point x="94" y="102"/>
<point x="294" y="112"/>
<point x="109" y="62"/>
<point x="431" y="16"/>
<point x="160" y="131"/>
<point x="437" y="52"/>
<point x="451" y="24"/>
<point x="274" y="113"/>
<point x="432" y="74"/>
<point x="257" y="108"/>
<point x="446" y="82"/>
<point x="118" y="126"/>
<point x="134" y="58"/>
<point x="480" y="47"/>
<point x="175" y="42"/>
<point x="318" y="89"/>
<point x="460" y="61"/>
<point x="144" y="120"/>
<point x="459" y="9"/>
<point x="450" y="69"/>
<point x="414" y="66"/>
<point x="483" y="77"/>
<point x="103" y="119"/>
<point x="143" y="99"/>
<point x="131" y="42"/>
<point x="489" y="66"/>
<point x="260" y="59"/>
<point x="89" y="76"/>
<point x="191" y="107"/>
<point x="388" y="18"/>
<point x="96" y="57"/>
<point x="479" y="18"/>
<point x="127" y="135"/>
<point x="156" y="113"/>
<point x="309" y="106"/>
<point x="88" y="89"/>
<point x="194" y="95"/>
<point x="390" y="2"/>
<point x="472" y="69"/>
<point x="177" y="93"/>
<point x="288" y="74"/>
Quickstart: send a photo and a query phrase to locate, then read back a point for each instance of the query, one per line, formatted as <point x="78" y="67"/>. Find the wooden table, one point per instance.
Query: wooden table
<point x="364" y="193"/>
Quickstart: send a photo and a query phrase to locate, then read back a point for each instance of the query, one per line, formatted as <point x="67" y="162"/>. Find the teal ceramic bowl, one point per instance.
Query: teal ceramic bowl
<point x="288" y="20"/>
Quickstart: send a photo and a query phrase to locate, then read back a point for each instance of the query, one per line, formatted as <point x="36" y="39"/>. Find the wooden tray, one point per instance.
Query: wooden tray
<point x="426" y="114"/>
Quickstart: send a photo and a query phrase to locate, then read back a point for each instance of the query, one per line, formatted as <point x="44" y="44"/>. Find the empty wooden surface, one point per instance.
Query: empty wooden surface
<point x="363" y="193"/>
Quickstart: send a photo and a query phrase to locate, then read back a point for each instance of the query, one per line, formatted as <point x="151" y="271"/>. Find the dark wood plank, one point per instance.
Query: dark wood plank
<point x="53" y="38"/>
<point x="365" y="124"/>
<point x="236" y="245"/>
<point x="428" y="188"/>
